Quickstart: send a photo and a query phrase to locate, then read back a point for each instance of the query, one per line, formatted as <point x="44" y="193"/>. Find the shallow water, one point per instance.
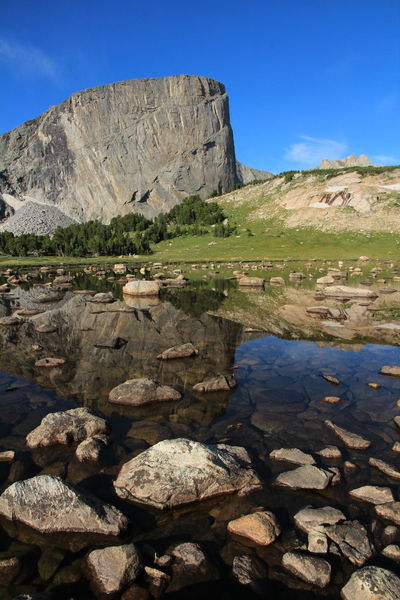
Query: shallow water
<point x="277" y="403"/>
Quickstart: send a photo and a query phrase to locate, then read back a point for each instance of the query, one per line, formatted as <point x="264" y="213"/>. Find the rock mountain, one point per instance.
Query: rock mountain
<point x="349" y="161"/>
<point x="134" y="146"/>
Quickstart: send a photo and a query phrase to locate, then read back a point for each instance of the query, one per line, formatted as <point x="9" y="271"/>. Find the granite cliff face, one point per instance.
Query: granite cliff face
<point x="134" y="146"/>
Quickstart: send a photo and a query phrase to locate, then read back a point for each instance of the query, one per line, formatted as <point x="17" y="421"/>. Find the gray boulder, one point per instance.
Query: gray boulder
<point x="372" y="583"/>
<point x="65" y="427"/>
<point x="190" y="566"/>
<point x="49" y="505"/>
<point x="352" y="539"/>
<point x="136" y="392"/>
<point x="180" y="471"/>
<point x="307" y="477"/>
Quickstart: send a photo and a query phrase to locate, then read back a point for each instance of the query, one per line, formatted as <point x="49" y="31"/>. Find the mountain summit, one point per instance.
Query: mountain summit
<point x="349" y="161"/>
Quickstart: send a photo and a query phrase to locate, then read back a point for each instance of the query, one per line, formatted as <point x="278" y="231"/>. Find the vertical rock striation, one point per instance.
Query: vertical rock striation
<point x="134" y="146"/>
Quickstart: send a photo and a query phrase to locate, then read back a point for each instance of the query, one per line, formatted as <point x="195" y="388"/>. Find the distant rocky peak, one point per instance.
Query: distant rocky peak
<point x="349" y="161"/>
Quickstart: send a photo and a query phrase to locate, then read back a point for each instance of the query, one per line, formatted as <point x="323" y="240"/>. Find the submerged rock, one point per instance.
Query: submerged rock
<point x="190" y="566"/>
<point x="349" y="439"/>
<point x="221" y="383"/>
<point x="136" y="392"/>
<point x="181" y="351"/>
<point x="292" y="455"/>
<point x="372" y="583"/>
<point x="9" y="569"/>
<point x="307" y="477"/>
<point x="50" y="363"/>
<point x="114" y="568"/>
<point x="181" y="471"/>
<point x="310" y="569"/>
<point x="102" y="298"/>
<point x="260" y="527"/>
<point x="248" y="570"/>
<point x="66" y="427"/>
<point x="50" y="505"/>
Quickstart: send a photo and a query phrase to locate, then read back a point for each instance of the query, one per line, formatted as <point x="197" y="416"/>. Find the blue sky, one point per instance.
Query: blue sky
<point x="307" y="79"/>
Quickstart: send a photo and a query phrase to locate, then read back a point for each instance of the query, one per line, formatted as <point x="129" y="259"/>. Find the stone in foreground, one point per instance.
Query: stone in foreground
<point x="372" y="583"/>
<point x="114" y="568"/>
<point x="180" y="471"/>
<point x="66" y="427"/>
<point x="181" y="351"/>
<point x="349" y="439"/>
<point x="221" y="383"/>
<point x="352" y="539"/>
<point x="307" y="477"/>
<point x="136" y="392"/>
<point x="260" y="527"/>
<point x="310" y="569"/>
<point x="373" y="494"/>
<point x="292" y="455"/>
<point x="49" y="505"/>
<point x="142" y="288"/>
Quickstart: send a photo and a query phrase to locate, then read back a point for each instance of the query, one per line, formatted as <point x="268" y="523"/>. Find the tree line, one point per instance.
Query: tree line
<point x="128" y="234"/>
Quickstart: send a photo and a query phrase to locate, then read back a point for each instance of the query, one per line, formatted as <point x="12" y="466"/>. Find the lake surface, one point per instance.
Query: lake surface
<point x="278" y="349"/>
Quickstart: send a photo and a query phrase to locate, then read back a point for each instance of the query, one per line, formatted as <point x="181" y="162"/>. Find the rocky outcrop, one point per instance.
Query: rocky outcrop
<point x="134" y="146"/>
<point x="349" y="161"/>
<point x="248" y="175"/>
<point x="181" y="471"/>
<point x="49" y="505"/>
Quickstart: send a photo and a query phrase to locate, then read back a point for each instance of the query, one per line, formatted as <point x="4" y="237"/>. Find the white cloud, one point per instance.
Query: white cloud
<point x="28" y="60"/>
<point x="311" y="151"/>
<point x="386" y="159"/>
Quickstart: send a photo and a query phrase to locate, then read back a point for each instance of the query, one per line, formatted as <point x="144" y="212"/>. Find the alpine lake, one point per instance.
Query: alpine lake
<point x="305" y="363"/>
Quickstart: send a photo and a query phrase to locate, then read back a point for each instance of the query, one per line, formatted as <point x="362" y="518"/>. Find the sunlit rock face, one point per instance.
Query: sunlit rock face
<point x="134" y="146"/>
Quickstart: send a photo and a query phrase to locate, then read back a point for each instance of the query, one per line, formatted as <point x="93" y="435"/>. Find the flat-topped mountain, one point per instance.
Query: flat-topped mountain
<point x="134" y="146"/>
<point x="349" y="161"/>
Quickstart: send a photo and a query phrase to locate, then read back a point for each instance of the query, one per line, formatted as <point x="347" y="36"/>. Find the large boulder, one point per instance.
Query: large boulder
<point x="142" y="287"/>
<point x="114" y="568"/>
<point x="372" y="583"/>
<point x="136" y="392"/>
<point x="50" y="505"/>
<point x="181" y="471"/>
<point x="393" y="371"/>
<point x="352" y="539"/>
<point x="66" y="427"/>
